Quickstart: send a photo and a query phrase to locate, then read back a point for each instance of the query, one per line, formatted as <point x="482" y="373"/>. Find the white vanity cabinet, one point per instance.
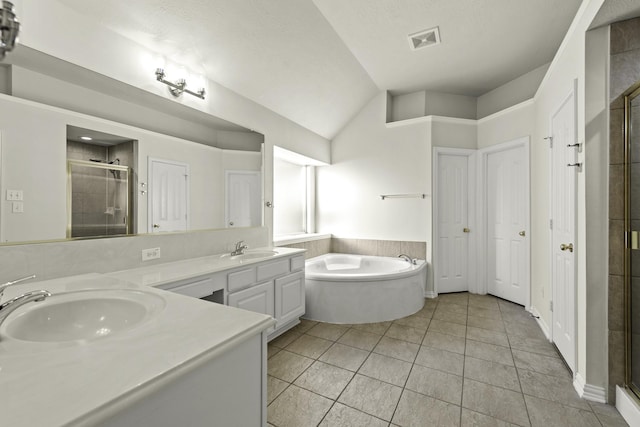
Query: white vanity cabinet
<point x="274" y="287"/>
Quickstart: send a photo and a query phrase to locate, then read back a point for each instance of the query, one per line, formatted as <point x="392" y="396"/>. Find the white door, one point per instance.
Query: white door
<point x="507" y="195"/>
<point x="243" y="199"/>
<point x="452" y="245"/>
<point x="168" y="196"/>
<point x="563" y="208"/>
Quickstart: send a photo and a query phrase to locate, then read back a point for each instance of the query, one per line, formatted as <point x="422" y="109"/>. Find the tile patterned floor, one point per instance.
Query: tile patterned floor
<point x="463" y="360"/>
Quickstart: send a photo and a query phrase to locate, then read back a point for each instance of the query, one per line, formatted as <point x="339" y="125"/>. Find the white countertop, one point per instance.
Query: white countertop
<point x="159" y="274"/>
<point x="82" y="382"/>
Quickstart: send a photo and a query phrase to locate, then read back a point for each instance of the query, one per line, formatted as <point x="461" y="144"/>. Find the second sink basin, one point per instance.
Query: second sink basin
<point x="83" y="315"/>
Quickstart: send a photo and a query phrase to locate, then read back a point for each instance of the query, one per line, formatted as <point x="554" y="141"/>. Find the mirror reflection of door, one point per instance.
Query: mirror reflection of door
<point x="168" y="196"/>
<point x="243" y="198"/>
<point x="632" y="127"/>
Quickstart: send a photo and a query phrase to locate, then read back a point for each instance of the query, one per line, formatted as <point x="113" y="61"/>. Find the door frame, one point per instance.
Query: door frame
<point x="150" y="162"/>
<point x="573" y="93"/>
<point x="471" y="207"/>
<point x="229" y="172"/>
<point x="482" y="213"/>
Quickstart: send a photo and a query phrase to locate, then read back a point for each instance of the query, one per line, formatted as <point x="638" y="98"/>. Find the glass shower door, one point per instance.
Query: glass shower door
<point x="98" y="199"/>
<point x="632" y="223"/>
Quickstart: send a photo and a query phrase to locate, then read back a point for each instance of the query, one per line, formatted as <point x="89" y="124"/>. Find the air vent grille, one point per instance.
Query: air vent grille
<point x="425" y="38"/>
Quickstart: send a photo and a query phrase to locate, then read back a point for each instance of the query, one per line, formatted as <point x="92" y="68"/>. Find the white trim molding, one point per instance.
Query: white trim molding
<point x="541" y="323"/>
<point x="588" y="391"/>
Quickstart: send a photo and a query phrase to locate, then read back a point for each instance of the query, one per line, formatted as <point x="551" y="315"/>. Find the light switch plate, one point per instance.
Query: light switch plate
<point x="17" y="207"/>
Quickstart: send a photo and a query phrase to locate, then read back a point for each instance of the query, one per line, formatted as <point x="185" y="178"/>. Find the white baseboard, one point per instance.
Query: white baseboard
<point x="541" y="323"/>
<point x="628" y="407"/>
<point x="430" y="294"/>
<point x="588" y="391"/>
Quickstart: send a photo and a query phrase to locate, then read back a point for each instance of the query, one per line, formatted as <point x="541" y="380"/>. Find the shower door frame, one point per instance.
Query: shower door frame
<point x="629" y="96"/>
<point x="106" y="166"/>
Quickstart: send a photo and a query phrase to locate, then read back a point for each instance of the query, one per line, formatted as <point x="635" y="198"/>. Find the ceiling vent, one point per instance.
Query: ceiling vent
<point x="425" y="38"/>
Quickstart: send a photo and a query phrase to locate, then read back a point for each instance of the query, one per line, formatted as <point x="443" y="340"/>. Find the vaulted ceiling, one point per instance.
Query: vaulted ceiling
<point x="317" y="62"/>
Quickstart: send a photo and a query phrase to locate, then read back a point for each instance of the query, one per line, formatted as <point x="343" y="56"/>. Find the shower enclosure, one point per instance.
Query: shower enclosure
<point x="98" y="199"/>
<point x="632" y="225"/>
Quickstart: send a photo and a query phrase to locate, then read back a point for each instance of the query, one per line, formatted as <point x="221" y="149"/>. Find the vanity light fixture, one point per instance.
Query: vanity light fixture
<point x="179" y="87"/>
<point x="9" y="28"/>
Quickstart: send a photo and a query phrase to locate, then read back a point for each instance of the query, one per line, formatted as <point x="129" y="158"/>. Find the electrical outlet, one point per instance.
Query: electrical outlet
<point x="15" y="195"/>
<point x="151" y="253"/>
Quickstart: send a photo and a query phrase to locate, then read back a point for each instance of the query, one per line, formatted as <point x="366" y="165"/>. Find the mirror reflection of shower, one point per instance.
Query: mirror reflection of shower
<point x="100" y="186"/>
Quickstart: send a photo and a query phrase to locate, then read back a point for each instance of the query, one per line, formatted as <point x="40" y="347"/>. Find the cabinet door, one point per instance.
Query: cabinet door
<point x="289" y="298"/>
<point x="258" y="298"/>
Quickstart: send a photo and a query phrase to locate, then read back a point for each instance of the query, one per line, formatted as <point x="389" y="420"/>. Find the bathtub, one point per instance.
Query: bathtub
<point x="343" y="288"/>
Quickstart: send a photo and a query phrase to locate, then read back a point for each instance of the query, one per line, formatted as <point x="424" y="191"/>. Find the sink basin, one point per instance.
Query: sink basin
<point x="251" y="255"/>
<point x="83" y="315"/>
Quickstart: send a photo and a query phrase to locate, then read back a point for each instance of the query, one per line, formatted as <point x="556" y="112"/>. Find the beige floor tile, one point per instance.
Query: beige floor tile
<point x="444" y="342"/>
<point x="418" y="410"/>
<point x="427" y="310"/>
<point x="285" y="339"/>
<point x="297" y="407"/>
<point x="607" y="414"/>
<point x="405" y="333"/>
<point x="414" y="321"/>
<point x="448" y="328"/>
<point x="309" y="346"/>
<point x="304" y="326"/>
<point x="398" y="349"/>
<point x="359" y="339"/>
<point x="485" y="335"/>
<point x="272" y="351"/>
<point x="485" y="312"/>
<point x="455" y="298"/>
<point x="371" y="396"/>
<point x="327" y="331"/>
<point x="484" y="301"/>
<point x="386" y="369"/>
<point x="449" y="316"/>
<point x="521" y="316"/>
<point x="505" y="405"/>
<point x="555" y="389"/>
<point x="287" y="366"/>
<point x="490" y="352"/>
<point x="484" y="323"/>
<point x="274" y="388"/>
<point x="373" y="328"/>
<point x="451" y="307"/>
<point x="344" y="356"/>
<point x="476" y="419"/>
<point x="524" y="329"/>
<point x="533" y="345"/>
<point x="437" y="384"/>
<point x="324" y="379"/>
<point x="539" y="363"/>
<point x="492" y="373"/>
<point x="544" y="413"/>
<point x="441" y="360"/>
<point x="343" y="416"/>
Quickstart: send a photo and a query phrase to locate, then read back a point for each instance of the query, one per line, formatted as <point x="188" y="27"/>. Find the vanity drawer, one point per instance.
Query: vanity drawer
<point x="197" y="288"/>
<point x="297" y="263"/>
<point x="241" y="279"/>
<point x="273" y="269"/>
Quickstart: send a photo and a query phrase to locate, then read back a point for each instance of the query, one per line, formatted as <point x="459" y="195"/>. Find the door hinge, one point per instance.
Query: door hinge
<point x="551" y="306"/>
<point x="551" y="224"/>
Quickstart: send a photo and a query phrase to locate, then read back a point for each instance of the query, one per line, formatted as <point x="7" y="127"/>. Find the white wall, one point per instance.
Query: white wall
<point x="450" y="105"/>
<point x="514" y="92"/>
<point x="506" y="125"/>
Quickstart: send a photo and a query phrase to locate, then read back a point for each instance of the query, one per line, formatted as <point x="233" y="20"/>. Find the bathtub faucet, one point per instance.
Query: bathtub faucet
<point x="408" y="259"/>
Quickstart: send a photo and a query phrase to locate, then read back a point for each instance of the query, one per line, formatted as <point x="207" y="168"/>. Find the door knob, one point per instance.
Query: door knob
<point x="156" y="225"/>
<point x="522" y="233"/>
<point x="567" y="247"/>
<point x="231" y="223"/>
<point x="465" y="230"/>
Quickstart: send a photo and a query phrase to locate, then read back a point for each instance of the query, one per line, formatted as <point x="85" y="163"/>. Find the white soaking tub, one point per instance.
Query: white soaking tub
<point x="342" y="288"/>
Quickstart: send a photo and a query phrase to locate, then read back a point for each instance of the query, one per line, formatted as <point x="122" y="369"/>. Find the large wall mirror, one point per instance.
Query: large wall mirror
<point x="69" y="175"/>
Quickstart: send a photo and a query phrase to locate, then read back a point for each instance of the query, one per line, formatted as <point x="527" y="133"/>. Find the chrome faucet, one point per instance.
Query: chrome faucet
<point x="408" y="259"/>
<point x="13" y="282"/>
<point x="10" y="306"/>
<point x="240" y="247"/>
